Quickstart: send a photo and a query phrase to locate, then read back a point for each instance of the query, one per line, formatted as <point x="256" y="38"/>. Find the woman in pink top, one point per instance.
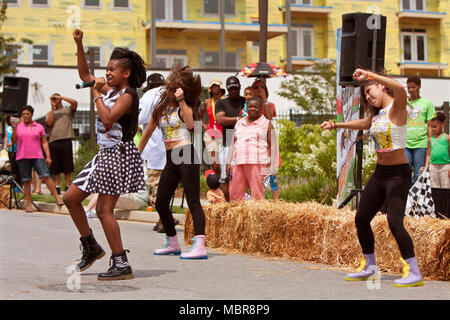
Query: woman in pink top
<point x="268" y="110"/>
<point x="252" y="152"/>
<point x="30" y="138"/>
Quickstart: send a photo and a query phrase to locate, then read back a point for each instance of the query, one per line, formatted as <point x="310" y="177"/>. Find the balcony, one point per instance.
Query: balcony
<point x="415" y="15"/>
<point x="249" y="30"/>
<point x="424" y="66"/>
<point x="309" y="10"/>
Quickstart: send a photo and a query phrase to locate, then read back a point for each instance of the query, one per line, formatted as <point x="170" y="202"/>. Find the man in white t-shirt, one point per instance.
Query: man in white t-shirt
<point x="154" y="153"/>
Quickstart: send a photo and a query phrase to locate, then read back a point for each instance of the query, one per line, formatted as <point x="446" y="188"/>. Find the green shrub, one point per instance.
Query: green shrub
<point x="83" y="156"/>
<point x="316" y="188"/>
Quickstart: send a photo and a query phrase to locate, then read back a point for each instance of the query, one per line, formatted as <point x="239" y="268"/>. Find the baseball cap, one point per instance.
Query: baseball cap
<point x="154" y="80"/>
<point x="213" y="181"/>
<point x="216" y="81"/>
<point x="232" y="81"/>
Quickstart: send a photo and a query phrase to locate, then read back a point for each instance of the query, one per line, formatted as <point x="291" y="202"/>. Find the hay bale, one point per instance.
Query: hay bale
<point x="4" y="196"/>
<point x="317" y="233"/>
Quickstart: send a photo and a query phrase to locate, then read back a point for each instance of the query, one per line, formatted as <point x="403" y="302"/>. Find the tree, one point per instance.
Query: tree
<point x="8" y="46"/>
<point x="313" y="91"/>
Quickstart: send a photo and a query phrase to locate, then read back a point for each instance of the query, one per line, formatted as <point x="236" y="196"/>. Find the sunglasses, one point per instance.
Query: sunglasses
<point x="257" y="87"/>
<point x="54" y="99"/>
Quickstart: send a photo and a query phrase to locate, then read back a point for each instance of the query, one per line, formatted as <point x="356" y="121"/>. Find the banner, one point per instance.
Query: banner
<point x="347" y="109"/>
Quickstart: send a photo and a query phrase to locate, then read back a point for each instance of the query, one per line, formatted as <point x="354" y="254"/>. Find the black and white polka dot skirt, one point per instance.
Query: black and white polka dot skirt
<point x="113" y="171"/>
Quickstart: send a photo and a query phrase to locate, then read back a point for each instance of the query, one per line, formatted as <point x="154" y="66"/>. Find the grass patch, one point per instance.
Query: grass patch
<point x="51" y="199"/>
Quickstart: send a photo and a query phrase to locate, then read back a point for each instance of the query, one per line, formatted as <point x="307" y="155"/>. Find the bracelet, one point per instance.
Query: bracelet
<point x="333" y="125"/>
<point x="96" y="98"/>
<point x="181" y="99"/>
<point x="371" y="76"/>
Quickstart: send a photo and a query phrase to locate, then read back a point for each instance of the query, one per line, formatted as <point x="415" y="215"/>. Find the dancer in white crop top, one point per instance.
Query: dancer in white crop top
<point x="175" y="115"/>
<point x="384" y="100"/>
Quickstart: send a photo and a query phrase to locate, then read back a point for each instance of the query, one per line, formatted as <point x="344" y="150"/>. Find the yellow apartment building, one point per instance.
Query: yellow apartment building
<point x="417" y="32"/>
<point x="417" y="35"/>
<point x="49" y="24"/>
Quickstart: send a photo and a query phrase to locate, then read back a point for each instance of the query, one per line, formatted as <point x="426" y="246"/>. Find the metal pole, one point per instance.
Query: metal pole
<point x="153" y="34"/>
<point x="92" y="107"/>
<point x="287" y="7"/>
<point x="374" y="50"/>
<point x="263" y="7"/>
<point x="222" y="35"/>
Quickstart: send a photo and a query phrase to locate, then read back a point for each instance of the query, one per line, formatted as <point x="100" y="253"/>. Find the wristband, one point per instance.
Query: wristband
<point x="181" y="99"/>
<point x="96" y="98"/>
<point x="332" y="124"/>
<point x="371" y="76"/>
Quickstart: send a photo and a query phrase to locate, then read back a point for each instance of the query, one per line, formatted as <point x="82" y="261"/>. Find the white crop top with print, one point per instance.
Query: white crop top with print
<point x="172" y="127"/>
<point x="387" y="136"/>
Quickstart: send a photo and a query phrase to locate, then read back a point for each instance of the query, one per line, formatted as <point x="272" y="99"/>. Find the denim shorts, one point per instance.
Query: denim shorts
<point x="39" y="166"/>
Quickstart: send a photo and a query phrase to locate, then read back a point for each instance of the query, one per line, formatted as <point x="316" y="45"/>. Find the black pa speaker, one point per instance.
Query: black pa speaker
<point x="356" y="44"/>
<point x="15" y="94"/>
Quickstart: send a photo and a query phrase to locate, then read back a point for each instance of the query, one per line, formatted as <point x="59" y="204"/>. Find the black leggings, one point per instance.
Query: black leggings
<point x="180" y="165"/>
<point x="390" y="184"/>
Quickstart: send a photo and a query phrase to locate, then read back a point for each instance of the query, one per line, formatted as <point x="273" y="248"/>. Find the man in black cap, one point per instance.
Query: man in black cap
<point x="227" y="114"/>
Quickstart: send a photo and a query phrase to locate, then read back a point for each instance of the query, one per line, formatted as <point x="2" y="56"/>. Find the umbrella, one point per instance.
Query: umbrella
<point x="262" y="70"/>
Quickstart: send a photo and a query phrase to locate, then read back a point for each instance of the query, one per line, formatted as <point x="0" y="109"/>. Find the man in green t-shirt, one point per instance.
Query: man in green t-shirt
<point x="420" y="112"/>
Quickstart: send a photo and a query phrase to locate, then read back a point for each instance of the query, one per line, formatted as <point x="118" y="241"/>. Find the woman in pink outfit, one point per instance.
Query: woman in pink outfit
<point x="252" y="153"/>
<point x="30" y="138"/>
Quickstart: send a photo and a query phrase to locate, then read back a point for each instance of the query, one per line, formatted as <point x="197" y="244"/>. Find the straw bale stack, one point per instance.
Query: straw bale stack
<point x="4" y="196"/>
<point x="317" y="233"/>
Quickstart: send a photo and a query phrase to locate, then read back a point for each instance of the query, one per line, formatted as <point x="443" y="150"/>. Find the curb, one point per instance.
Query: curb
<point x="128" y="215"/>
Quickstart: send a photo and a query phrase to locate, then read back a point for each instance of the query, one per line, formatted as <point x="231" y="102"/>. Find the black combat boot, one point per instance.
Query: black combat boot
<point x="91" y="251"/>
<point x="120" y="269"/>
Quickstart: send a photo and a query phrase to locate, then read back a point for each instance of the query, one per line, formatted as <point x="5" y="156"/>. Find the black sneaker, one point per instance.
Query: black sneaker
<point x="120" y="269"/>
<point x="91" y="252"/>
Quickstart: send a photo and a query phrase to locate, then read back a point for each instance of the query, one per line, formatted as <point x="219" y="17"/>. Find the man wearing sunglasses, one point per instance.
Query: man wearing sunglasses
<point x="59" y="120"/>
<point x="227" y="114"/>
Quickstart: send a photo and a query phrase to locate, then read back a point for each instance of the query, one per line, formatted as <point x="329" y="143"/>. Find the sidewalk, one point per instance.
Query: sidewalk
<point x="142" y="216"/>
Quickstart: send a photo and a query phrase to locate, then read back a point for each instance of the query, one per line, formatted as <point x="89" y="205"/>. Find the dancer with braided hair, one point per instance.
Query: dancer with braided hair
<point x="117" y="168"/>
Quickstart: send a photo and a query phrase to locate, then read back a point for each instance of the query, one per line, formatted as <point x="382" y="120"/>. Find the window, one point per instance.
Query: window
<point x="307" y="2"/>
<point x="212" y="7"/>
<point x="39" y="2"/>
<point x="165" y="58"/>
<point x="414" y="45"/>
<point x="16" y="2"/>
<point x="212" y="60"/>
<point x="40" y="55"/>
<point x="92" y="3"/>
<point x="169" y="10"/>
<point x="302" y="42"/>
<point x="418" y="5"/>
<point x="11" y="54"/>
<point x="230" y="60"/>
<point x="121" y="4"/>
<point x="96" y="56"/>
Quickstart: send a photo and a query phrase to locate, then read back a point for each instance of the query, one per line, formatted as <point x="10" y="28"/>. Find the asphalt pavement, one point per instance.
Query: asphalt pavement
<point x="38" y="250"/>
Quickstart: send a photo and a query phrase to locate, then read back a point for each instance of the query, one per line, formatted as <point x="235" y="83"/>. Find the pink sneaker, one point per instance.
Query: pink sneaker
<point x="198" y="250"/>
<point x="171" y="247"/>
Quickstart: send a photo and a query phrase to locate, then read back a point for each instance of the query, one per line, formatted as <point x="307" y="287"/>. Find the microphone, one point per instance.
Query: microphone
<point x="85" y="84"/>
